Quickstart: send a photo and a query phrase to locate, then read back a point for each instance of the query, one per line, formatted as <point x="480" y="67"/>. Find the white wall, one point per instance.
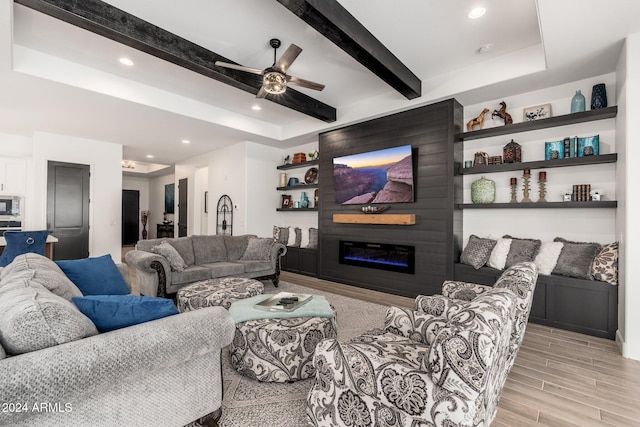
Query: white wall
<point x="240" y="171"/>
<point x="628" y="132"/>
<point x="141" y="185"/>
<point x="228" y="175"/>
<point x="105" y="211"/>
<point x="262" y="180"/>
<point x="201" y="185"/>
<point x="545" y="224"/>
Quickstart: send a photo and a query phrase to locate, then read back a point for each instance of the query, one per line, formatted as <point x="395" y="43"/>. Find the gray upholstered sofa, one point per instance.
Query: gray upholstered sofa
<point x="205" y="257"/>
<point x="442" y="364"/>
<point x="147" y="374"/>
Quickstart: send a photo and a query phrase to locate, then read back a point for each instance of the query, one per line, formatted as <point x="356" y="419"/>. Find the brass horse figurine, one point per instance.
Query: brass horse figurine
<point x="477" y="121"/>
<point x="502" y="113"/>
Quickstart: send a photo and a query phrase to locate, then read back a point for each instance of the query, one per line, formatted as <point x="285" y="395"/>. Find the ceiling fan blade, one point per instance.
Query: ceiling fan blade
<point x="287" y="58"/>
<point x="297" y="81"/>
<point x="238" y="67"/>
<point x="262" y="93"/>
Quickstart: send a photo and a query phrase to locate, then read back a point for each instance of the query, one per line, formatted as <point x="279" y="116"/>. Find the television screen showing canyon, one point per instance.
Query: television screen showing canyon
<point x="382" y="176"/>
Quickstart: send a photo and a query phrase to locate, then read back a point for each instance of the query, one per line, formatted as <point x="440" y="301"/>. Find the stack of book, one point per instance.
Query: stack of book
<point x="581" y="193"/>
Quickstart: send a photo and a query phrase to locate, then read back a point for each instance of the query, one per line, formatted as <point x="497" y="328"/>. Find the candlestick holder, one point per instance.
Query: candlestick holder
<point x="542" y="189"/>
<point x="514" y="189"/>
<point x="526" y="187"/>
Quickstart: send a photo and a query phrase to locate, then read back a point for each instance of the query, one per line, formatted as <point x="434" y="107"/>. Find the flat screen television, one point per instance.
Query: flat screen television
<point x="381" y="176"/>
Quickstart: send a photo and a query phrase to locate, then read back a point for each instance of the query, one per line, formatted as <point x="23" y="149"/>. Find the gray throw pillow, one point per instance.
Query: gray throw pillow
<point x="477" y="251"/>
<point x="313" y="238"/>
<point x="576" y="258"/>
<point x="258" y="249"/>
<point x="171" y="254"/>
<point x="32" y="318"/>
<point x="521" y="250"/>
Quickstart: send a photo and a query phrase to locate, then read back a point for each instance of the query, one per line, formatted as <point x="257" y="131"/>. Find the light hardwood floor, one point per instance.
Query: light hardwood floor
<point x="560" y="378"/>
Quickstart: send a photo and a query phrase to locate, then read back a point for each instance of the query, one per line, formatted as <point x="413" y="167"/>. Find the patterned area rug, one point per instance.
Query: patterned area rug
<point x="252" y="403"/>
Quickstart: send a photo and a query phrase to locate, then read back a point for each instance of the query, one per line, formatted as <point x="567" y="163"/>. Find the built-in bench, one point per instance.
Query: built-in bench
<point x="586" y="306"/>
<point x="300" y="260"/>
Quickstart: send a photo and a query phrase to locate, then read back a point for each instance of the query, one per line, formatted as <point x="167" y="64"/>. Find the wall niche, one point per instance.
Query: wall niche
<point x="437" y="232"/>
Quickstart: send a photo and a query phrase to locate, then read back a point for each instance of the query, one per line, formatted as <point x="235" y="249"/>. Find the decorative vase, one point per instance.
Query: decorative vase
<point x="577" y="102"/>
<point x="598" y="96"/>
<point x="483" y="191"/>
<point x="304" y="200"/>
<point x="283" y="179"/>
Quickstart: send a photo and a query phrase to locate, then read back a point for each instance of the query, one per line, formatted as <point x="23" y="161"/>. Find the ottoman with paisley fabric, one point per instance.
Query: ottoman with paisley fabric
<point x="276" y="348"/>
<point x="216" y="292"/>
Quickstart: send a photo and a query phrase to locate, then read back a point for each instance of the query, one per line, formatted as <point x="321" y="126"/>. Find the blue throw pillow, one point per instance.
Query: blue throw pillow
<point x="110" y="312"/>
<point x="22" y="242"/>
<point x="95" y="276"/>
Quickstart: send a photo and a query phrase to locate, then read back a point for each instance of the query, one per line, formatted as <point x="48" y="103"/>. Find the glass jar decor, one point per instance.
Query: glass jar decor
<point x="577" y="102"/>
<point x="483" y="190"/>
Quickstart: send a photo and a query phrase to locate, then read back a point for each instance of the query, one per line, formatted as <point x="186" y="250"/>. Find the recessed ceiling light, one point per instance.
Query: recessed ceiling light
<point x="477" y="12"/>
<point x="256" y="108"/>
<point x="149" y="156"/>
<point x="186" y="141"/>
<point x="125" y="61"/>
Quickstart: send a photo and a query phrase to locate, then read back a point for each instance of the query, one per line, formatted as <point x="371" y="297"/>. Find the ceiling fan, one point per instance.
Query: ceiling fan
<point x="275" y="78"/>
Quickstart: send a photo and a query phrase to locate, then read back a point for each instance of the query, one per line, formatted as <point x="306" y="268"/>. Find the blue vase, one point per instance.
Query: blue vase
<point x="598" y="96"/>
<point x="577" y="102"/>
<point x="304" y="200"/>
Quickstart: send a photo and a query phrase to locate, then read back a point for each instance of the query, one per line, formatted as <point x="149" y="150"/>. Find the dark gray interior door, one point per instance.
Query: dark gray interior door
<point x="130" y="219"/>
<point x="68" y="209"/>
<point x="182" y="207"/>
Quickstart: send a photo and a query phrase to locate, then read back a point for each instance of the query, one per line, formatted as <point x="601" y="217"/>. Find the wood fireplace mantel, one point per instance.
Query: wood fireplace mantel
<point x="389" y="219"/>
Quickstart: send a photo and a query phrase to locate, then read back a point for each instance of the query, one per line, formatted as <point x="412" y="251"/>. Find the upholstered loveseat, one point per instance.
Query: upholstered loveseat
<point x="145" y="374"/>
<point x="442" y="364"/>
<point x="203" y="257"/>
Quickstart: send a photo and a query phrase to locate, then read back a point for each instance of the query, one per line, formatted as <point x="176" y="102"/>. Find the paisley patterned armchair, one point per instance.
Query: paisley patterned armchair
<point x="442" y="364"/>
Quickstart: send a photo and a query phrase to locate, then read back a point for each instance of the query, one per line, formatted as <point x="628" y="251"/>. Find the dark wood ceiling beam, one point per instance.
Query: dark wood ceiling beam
<point x="118" y="25"/>
<point x="334" y="22"/>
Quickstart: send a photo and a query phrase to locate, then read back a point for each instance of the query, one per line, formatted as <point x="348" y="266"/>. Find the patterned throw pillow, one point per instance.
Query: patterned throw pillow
<point x="521" y="250"/>
<point x="477" y="251"/>
<point x="171" y="254"/>
<point x="576" y="258"/>
<point x="605" y="264"/>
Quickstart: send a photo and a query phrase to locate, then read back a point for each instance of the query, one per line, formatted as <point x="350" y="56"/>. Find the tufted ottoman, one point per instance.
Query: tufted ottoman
<point x="216" y="292"/>
<point x="279" y="349"/>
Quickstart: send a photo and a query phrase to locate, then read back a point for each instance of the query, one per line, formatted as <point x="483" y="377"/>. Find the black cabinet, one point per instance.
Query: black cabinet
<point x="300" y="260"/>
<point x="585" y="306"/>
<point x="164" y="230"/>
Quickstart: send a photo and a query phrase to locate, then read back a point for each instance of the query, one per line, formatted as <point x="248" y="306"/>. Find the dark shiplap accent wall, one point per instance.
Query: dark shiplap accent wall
<point x="437" y="234"/>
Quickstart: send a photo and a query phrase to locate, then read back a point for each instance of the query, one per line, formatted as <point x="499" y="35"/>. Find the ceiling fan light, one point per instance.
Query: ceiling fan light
<point x="274" y="82"/>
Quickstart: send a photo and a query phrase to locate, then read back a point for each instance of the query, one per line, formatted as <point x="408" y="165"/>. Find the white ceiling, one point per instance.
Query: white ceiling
<point x="58" y="78"/>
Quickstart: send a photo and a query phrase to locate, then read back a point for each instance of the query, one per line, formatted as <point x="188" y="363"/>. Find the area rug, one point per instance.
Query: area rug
<point x="250" y="403"/>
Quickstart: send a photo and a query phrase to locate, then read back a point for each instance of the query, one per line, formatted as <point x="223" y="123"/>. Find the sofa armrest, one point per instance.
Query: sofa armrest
<point x="142" y="260"/>
<point x="415" y="325"/>
<point x="277" y="250"/>
<point x="70" y="372"/>
<point x="150" y="267"/>
<point x="464" y="291"/>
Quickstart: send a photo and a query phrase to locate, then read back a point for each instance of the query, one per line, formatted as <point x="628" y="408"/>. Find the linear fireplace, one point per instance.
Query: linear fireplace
<point x="383" y="256"/>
